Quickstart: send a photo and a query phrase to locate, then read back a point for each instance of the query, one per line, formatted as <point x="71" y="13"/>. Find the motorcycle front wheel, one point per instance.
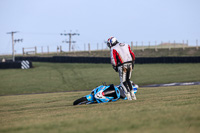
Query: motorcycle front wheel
<point x="80" y="101"/>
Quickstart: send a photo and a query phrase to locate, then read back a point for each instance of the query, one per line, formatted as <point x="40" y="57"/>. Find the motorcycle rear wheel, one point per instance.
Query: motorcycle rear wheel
<point x="80" y="101"/>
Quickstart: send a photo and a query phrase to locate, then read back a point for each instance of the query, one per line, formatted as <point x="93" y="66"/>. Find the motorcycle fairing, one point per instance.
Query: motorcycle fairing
<point x="106" y="93"/>
<point x="103" y="94"/>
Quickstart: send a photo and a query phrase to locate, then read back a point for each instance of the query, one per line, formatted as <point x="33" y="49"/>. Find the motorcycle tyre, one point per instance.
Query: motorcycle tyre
<point x="80" y="101"/>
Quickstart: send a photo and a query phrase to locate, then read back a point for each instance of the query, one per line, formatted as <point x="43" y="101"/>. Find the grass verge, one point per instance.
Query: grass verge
<point x="164" y="109"/>
<point x="57" y="77"/>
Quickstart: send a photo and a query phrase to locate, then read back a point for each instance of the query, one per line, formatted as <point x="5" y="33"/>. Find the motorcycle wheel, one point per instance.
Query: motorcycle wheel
<point x="80" y="101"/>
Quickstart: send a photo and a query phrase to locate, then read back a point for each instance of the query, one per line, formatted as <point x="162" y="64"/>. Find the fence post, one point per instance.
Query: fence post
<point x="156" y="46"/>
<point x="131" y="45"/>
<point x="35" y="50"/>
<point x="48" y="49"/>
<point x="142" y="46"/>
<point x="60" y="49"/>
<point x="23" y="51"/>
<point x="183" y="45"/>
<point x="197" y="45"/>
<point x="57" y="50"/>
<point x="89" y="48"/>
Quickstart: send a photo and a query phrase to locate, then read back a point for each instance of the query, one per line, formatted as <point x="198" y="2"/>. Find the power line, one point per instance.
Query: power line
<point x="13" y="43"/>
<point x="70" y="37"/>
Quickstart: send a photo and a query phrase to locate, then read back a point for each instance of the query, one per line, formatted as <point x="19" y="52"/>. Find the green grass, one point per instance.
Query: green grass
<point x="56" y="77"/>
<point x="157" y="110"/>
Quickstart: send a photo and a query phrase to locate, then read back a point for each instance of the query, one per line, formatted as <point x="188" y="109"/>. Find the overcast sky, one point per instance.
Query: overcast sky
<point x="40" y="22"/>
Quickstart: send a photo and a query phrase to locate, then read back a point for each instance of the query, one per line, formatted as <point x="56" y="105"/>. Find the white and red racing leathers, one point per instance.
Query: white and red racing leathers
<point x="120" y="54"/>
<point x="122" y="59"/>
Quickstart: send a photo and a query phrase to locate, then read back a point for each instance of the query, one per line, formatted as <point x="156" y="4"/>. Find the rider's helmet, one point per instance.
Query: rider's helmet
<point x="112" y="41"/>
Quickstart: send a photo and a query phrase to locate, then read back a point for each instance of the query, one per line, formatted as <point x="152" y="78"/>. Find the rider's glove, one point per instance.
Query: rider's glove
<point x="133" y="63"/>
<point x="115" y="68"/>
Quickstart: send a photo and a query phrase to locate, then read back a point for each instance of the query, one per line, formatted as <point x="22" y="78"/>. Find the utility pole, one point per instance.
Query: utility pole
<point x="70" y="38"/>
<point x="13" y="43"/>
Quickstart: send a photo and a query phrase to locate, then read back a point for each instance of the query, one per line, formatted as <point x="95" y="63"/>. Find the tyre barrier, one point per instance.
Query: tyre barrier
<point x="139" y="60"/>
<point x="24" y="64"/>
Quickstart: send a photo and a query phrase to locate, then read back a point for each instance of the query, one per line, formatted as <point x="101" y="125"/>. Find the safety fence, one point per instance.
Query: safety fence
<point x="90" y="47"/>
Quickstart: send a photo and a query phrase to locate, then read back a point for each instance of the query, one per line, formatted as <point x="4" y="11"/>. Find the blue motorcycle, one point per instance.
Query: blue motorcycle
<point x="104" y="94"/>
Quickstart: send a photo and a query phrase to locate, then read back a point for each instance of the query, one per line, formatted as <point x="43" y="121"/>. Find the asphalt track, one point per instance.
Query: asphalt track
<point x="172" y="84"/>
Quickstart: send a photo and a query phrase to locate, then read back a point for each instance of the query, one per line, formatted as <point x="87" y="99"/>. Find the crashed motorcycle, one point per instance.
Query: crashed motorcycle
<point x="104" y="94"/>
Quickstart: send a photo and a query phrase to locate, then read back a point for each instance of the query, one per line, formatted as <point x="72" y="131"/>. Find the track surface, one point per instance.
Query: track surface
<point x="173" y="84"/>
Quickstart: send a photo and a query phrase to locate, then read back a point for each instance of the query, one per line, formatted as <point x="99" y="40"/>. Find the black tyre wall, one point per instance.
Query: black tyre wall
<point x="139" y="60"/>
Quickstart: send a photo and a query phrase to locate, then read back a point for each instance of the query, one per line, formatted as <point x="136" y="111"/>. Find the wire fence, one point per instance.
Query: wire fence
<point x="142" y="45"/>
<point x="88" y="47"/>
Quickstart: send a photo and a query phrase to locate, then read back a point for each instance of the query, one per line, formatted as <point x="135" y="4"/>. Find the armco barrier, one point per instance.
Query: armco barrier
<point x="139" y="60"/>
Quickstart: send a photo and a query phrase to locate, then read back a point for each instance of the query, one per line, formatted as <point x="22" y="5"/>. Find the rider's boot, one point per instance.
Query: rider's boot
<point x="133" y="95"/>
<point x="128" y="95"/>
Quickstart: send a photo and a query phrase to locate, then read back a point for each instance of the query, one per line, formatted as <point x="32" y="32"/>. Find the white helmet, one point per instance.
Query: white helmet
<point x="112" y="41"/>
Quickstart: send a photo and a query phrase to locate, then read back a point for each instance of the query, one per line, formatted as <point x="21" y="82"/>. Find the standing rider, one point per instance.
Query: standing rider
<point x="122" y="59"/>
